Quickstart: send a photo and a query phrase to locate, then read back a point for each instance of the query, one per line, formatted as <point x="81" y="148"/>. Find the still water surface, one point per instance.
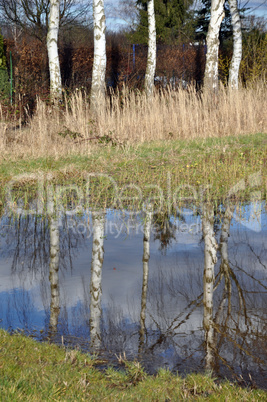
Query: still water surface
<point x="178" y="293"/>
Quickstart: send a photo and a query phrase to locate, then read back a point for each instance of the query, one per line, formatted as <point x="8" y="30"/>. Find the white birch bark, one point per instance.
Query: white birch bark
<point x="225" y="268"/>
<point x="53" y="273"/>
<point x="211" y="68"/>
<point x="152" y="49"/>
<point x="225" y="233"/>
<point x="146" y="255"/>
<point x="237" y="45"/>
<point x="52" y="49"/>
<point x="100" y="59"/>
<point x="96" y="278"/>
<point x="223" y="246"/>
<point x="210" y="259"/>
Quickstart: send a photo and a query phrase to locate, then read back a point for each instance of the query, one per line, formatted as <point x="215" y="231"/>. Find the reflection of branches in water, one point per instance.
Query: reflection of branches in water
<point x="231" y="327"/>
<point x="243" y="346"/>
<point x="257" y="262"/>
<point x="119" y="333"/>
<point x="21" y="302"/>
<point x="27" y="241"/>
<point x="250" y="276"/>
<point x="29" y="252"/>
<point x="165" y="290"/>
<point x="165" y="230"/>
<point x="174" y="300"/>
<point x="164" y="285"/>
<point x="33" y="245"/>
<point x="257" y="256"/>
<point x="234" y="332"/>
<point x="193" y="305"/>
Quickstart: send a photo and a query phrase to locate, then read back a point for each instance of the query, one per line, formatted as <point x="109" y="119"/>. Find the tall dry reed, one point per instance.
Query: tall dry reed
<point x="129" y="117"/>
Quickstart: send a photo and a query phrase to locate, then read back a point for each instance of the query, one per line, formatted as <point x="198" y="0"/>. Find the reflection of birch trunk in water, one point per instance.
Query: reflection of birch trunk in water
<point x="146" y="255"/>
<point x="224" y="272"/>
<point x="225" y="233"/>
<point x="96" y="276"/>
<point x="53" y="274"/>
<point x="208" y="280"/>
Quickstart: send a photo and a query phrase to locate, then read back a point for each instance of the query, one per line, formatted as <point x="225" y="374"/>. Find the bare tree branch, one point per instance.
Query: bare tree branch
<point x="32" y="15"/>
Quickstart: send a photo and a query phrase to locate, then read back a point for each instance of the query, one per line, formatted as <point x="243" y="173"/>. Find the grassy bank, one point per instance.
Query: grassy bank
<point x="34" y="371"/>
<point x="179" y="144"/>
<point x="232" y="167"/>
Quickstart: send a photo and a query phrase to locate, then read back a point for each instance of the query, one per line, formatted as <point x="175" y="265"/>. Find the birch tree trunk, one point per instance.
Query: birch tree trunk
<point x="211" y="68"/>
<point x="53" y="274"/>
<point x="237" y="45"/>
<point x="152" y="49"/>
<point x="210" y="259"/>
<point x="96" y="278"/>
<point x="146" y="255"/>
<point x="100" y="60"/>
<point x="52" y="49"/>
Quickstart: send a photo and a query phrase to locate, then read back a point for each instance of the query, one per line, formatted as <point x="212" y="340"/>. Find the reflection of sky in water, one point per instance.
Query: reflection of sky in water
<point x="18" y="310"/>
<point x="251" y="217"/>
<point x="175" y="279"/>
<point x="122" y="268"/>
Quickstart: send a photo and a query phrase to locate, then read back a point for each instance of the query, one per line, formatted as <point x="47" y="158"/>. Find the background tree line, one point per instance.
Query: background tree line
<point x="181" y="40"/>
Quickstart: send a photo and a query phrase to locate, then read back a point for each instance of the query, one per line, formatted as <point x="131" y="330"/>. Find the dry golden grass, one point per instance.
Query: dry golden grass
<point x="129" y="117"/>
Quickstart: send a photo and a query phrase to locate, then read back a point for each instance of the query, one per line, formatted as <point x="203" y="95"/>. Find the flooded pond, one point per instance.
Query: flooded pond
<point x="187" y="293"/>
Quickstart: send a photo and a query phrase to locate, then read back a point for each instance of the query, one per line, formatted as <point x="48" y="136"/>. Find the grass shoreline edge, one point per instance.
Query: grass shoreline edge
<point x="42" y="371"/>
<point x="175" y="168"/>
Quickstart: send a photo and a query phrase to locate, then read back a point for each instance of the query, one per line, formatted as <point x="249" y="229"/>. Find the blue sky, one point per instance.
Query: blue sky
<point x="258" y="8"/>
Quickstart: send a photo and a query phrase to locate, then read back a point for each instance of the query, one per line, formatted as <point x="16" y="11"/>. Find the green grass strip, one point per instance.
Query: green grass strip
<point x="40" y="371"/>
<point x="181" y="169"/>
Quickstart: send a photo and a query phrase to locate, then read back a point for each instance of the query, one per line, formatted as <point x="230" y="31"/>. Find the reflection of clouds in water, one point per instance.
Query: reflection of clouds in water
<point x="250" y="217"/>
<point x="9" y="282"/>
<point x="125" y="254"/>
<point x="172" y="322"/>
<point x="18" y="309"/>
